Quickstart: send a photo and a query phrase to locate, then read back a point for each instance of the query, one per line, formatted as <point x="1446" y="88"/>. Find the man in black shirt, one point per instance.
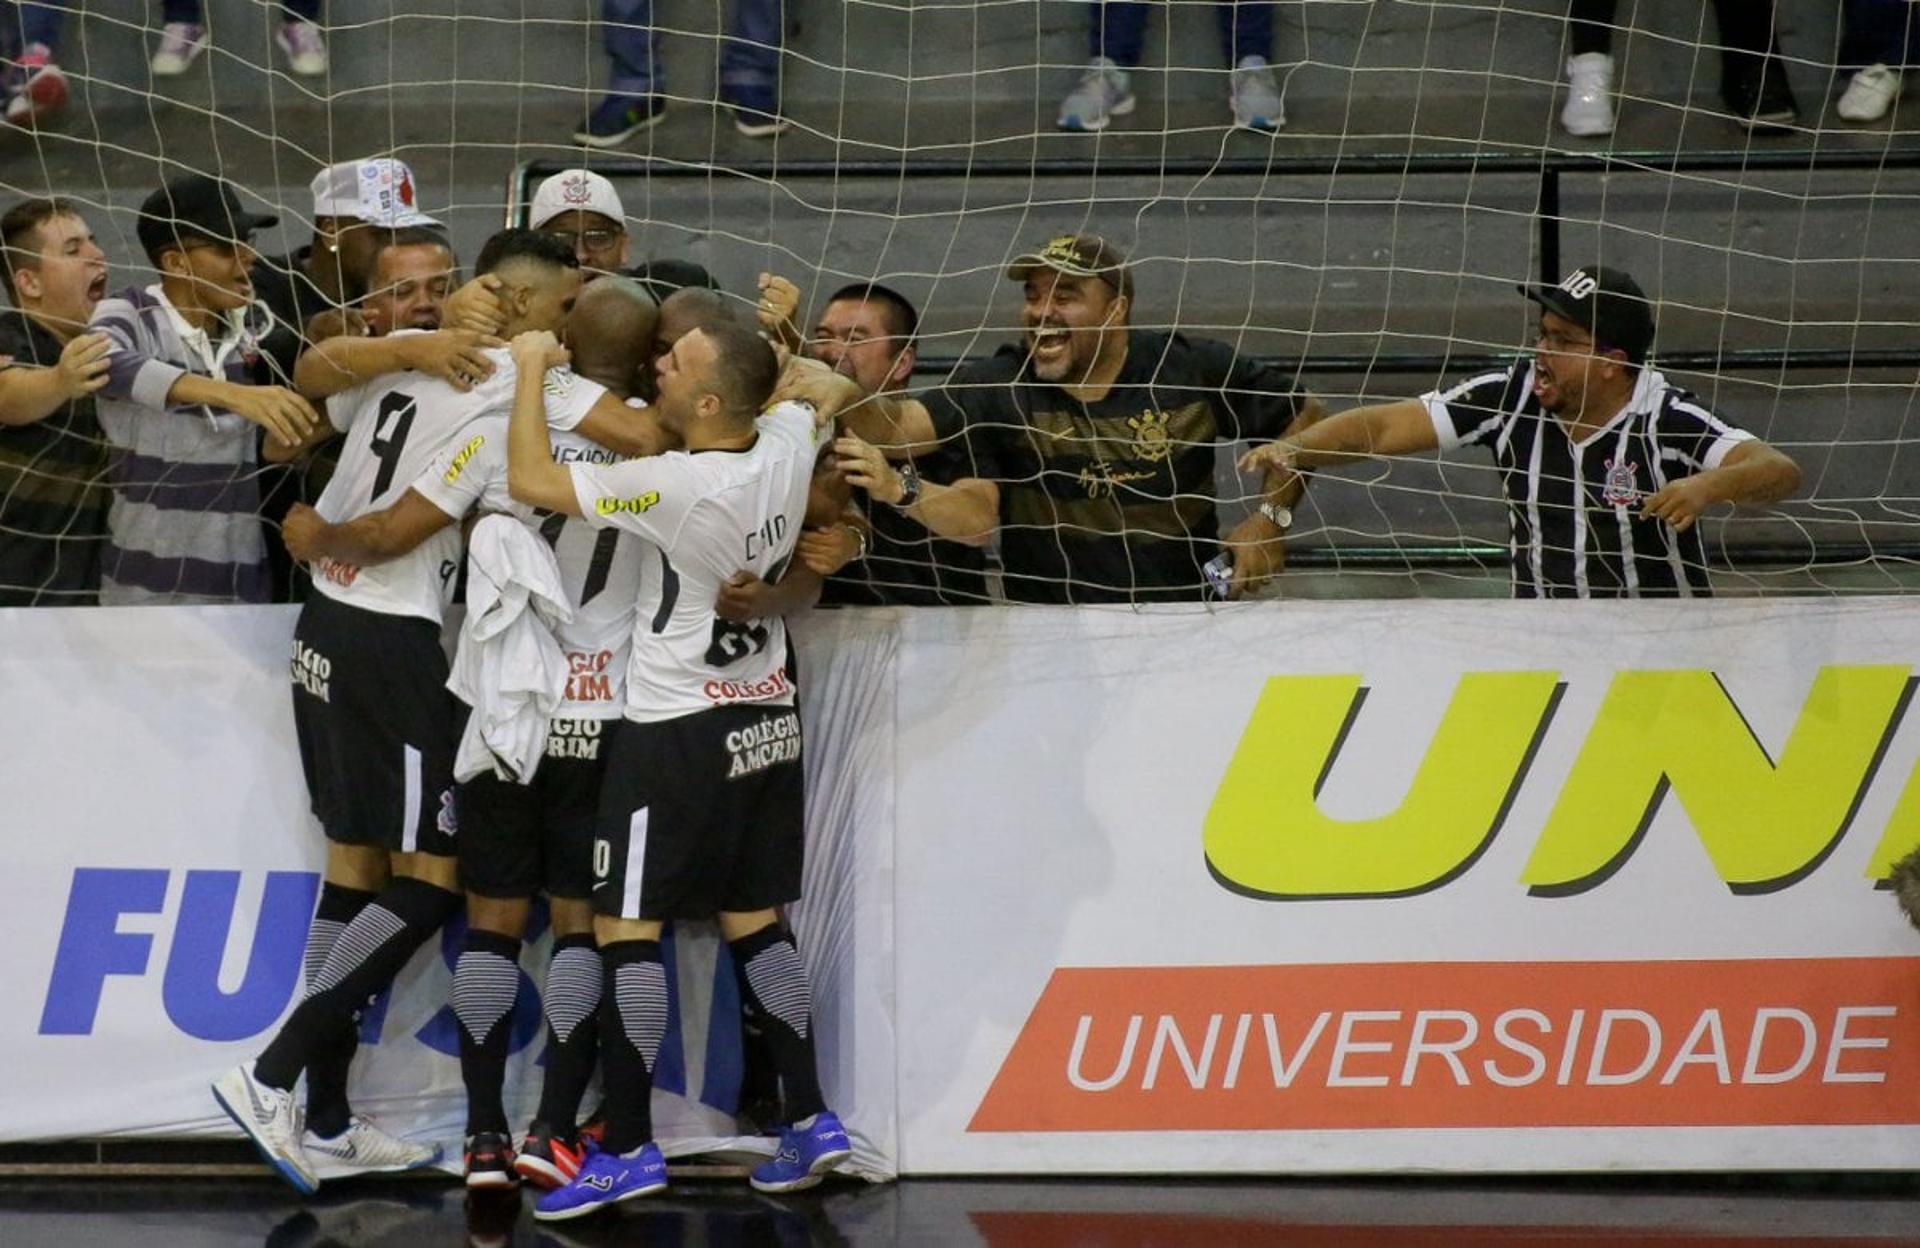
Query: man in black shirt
<point x="1605" y="464"/>
<point x="1089" y="447"/>
<point x="53" y="457"/>
<point x="866" y="332"/>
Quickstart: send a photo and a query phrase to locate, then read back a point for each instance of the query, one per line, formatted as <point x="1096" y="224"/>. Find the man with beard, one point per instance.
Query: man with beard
<point x="1090" y="446"/>
<point x="1605" y="463"/>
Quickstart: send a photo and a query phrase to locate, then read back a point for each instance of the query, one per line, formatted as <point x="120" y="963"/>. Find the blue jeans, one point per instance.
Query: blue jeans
<point x="190" y="10"/>
<point x="749" y="56"/>
<point x="1118" y="29"/>
<point x="1880" y="32"/>
<point x="39" y="23"/>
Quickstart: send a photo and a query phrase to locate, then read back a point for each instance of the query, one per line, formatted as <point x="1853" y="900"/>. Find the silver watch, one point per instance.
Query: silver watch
<point x="1282" y="517"/>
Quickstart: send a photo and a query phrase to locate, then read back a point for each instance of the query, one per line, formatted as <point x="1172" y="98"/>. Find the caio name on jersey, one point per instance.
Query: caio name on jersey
<point x="125" y="926"/>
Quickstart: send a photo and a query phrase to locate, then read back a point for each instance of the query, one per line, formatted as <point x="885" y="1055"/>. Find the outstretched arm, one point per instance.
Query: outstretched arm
<point x="1402" y="428"/>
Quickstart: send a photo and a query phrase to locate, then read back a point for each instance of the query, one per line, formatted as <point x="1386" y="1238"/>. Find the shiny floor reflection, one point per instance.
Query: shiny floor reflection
<point x="1672" y="1213"/>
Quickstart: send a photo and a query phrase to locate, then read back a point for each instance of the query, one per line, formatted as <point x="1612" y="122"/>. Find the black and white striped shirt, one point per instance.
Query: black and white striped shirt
<point x="1573" y="508"/>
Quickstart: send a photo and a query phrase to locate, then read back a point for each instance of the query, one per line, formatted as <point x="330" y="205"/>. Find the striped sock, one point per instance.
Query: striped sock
<point x="368" y="954"/>
<point x="328" y="1113"/>
<point x="633" y="1021"/>
<point x="573" y="1030"/>
<point x="777" y="1010"/>
<point x="485" y="982"/>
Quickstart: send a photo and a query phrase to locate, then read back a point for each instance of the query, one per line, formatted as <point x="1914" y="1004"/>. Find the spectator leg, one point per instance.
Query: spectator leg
<point x="300" y="10"/>
<point x="1590" y="25"/>
<point x="750" y="57"/>
<point x="1877" y="32"/>
<point x="40" y="23"/>
<point x="1747" y="38"/>
<point x="629" y="35"/>
<point x="1118" y="31"/>
<point x="1246" y="29"/>
<point x="189" y="11"/>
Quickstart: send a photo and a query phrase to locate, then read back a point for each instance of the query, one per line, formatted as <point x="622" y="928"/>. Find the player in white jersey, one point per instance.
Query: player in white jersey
<point x="517" y="840"/>
<point x="702" y="809"/>
<point x="375" y="723"/>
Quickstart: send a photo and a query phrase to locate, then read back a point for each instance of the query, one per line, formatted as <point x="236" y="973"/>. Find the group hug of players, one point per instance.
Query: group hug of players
<point x="666" y="779"/>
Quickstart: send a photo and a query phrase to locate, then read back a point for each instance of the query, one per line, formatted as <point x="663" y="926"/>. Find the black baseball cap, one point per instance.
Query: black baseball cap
<point x="1607" y="303"/>
<point x="196" y="207"/>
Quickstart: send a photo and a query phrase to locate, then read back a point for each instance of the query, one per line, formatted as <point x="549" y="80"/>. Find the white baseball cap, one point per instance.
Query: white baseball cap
<point x="379" y="191"/>
<point x="579" y="190"/>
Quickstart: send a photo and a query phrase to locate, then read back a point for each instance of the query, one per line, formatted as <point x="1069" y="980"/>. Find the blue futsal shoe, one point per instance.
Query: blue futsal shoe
<point x="807" y="1151"/>
<point x="605" y="1179"/>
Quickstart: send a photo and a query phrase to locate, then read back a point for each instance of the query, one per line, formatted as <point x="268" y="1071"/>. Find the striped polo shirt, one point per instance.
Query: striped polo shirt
<point x="185" y="524"/>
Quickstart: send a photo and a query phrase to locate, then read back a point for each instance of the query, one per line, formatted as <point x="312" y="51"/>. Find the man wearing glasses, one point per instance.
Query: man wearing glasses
<point x="1605" y="463"/>
<point x="583" y="208"/>
<point x="184" y="404"/>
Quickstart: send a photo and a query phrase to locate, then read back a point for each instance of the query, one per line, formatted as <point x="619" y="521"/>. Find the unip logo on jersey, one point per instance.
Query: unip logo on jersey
<point x="1621" y="489"/>
<point x="1578" y="284"/>
<point x="559" y="382"/>
<point x="467" y="452"/>
<point x="614" y="506"/>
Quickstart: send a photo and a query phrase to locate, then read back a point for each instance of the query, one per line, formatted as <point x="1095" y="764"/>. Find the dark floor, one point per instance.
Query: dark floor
<point x="1712" y="1212"/>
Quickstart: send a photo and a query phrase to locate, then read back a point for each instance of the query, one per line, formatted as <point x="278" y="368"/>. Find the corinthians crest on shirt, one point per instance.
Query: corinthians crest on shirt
<point x="1621" y="488"/>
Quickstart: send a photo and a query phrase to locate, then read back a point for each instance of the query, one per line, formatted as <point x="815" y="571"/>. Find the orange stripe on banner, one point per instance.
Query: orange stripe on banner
<point x="1168" y="1230"/>
<point x="1764" y="1042"/>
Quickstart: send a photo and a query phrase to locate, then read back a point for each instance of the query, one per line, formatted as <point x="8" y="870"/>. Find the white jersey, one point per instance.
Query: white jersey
<point x="394" y="424"/>
<point x="599" y="569"/>
<point x="707" y="515"/>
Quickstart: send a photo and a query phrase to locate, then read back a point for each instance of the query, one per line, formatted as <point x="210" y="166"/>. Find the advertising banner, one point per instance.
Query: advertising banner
<point x="1439" y="886"/>
<point x="164" y="867"/>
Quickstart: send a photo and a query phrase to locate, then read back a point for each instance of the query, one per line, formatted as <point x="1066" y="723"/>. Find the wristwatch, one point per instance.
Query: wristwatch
<point x="909" y="485"/>
<point x="1282" y="517"/>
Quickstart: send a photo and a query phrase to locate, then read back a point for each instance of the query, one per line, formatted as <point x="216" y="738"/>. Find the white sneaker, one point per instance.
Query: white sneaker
<point x="305" y="50"/>
<point x="1105" y="92"/>
<point x="364" y="1149"/>
<point x="271" y="1119"/>
<point x="1589" y="108"/>
<point x="1255" y="96"/>
<point x="180" y="44"/>
<point x="1870" y="94"/>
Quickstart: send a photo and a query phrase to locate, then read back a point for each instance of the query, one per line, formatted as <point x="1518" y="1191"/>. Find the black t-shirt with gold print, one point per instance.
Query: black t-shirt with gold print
<point x="1111" y="501"/>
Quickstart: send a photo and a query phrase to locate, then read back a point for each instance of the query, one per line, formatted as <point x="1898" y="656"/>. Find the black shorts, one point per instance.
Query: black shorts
<point x="520" y="839"/>
<point x="701" y="814"/>
<point x="376" y="725"/>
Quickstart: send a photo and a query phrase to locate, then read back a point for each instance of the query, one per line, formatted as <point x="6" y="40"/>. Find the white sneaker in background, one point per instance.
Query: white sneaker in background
<point x="1589" y="108"/>
<point x="1870" y="94"/>
<point x="1255" y="96"/>
<point x="305" y="50"/>
<point x="1104" y="93"/>
<point x="181" y="43"/>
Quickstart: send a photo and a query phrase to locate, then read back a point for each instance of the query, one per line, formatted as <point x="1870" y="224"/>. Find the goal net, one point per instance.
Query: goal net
<point x="1365" y="228"/>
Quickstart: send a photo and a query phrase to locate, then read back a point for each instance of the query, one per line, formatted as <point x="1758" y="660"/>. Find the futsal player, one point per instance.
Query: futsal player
<point x="701" y="813"/>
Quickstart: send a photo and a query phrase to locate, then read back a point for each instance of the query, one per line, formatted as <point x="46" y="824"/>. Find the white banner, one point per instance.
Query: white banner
<point x="1447" y="886"/>
<point x="166" y="866"/>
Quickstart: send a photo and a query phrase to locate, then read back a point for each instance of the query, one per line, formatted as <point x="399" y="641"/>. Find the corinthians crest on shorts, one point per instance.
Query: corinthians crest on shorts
<point x="1620" y="488"/>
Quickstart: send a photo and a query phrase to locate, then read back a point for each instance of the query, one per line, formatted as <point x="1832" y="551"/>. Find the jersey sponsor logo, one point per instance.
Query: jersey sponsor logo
<point x="574" y="738"/>
<point x="559" y="382"/>
<point x="587" y="678"/>
<point x="311" y="670"/>
<point x="723" y="692"/>
<point x="340" y="573"/>
<point x="460" y="461"/>
<point x="757" y="747"/>
<point x="637" y="505"/>
<point x="1151" y="441"/>
<point x="1620" y="488"/>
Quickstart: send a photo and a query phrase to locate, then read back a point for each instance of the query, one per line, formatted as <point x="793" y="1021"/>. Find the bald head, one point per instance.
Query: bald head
<point x="610" y="333"/>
